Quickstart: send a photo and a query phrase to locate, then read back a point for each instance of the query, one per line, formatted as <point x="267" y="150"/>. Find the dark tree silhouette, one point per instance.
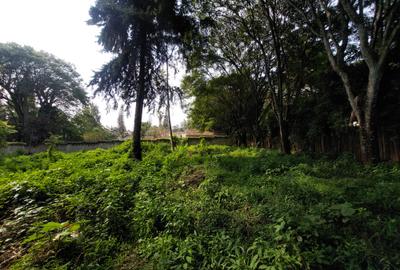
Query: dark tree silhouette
<point x="137" y="32"/>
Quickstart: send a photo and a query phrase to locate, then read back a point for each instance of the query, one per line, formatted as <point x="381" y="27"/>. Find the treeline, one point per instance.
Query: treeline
<point x="41" y="96"/>
<point x="294" y="70"/>
<point x="297" y="71"/>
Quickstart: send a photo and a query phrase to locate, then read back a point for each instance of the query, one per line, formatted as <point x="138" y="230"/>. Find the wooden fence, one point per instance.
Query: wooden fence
<point x="389" y="145"/>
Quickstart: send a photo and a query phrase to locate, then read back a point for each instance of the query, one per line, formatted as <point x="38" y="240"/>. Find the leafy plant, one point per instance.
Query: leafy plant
<point x="52" y="142"/>
<point x="199" y="207"/>
<point x="5" y="130"/>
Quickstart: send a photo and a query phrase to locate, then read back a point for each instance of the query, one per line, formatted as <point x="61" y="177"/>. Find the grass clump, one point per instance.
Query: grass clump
<point x="200" y="207"/>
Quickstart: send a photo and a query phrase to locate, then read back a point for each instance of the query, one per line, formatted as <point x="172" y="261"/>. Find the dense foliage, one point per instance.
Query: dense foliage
<point x="200" y="207"/>
<point x="87" y="126"/>
<point x="5" y="131"/>
<point x="41" y="95"/>
<point x="139" y="34"/>
<point x="227" y="104"/>
<point x="38" y="93"/>
<point x="285" y="52"/>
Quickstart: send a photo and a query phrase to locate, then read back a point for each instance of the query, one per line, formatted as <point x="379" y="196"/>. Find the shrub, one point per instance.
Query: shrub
<point x="199" y="207"/>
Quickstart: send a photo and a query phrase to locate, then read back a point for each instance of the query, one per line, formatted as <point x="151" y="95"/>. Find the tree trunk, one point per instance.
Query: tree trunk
<point x="284" y="136"/>
<point x="22" y="112"/>
<point x="242" y="139"/>
<point x="136" y="144"/>
<point x="171" y="137"/>
<point x="366" y="113"/>
<point x="369" y="145"/>
<point x="369" y="122"/>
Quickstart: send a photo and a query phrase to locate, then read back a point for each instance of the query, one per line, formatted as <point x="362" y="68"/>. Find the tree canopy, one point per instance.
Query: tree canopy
<point x="287" y="54"/>
<point x="36" y="90"/>
<point x="138" y="33"/>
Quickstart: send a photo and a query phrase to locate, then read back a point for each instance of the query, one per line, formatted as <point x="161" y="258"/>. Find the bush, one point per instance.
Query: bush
<point x="5" y="131"/>
<point x="199" y="207"/>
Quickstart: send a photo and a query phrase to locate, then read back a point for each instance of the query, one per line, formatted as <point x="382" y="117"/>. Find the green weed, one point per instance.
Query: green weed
<point x="199" y="207"/>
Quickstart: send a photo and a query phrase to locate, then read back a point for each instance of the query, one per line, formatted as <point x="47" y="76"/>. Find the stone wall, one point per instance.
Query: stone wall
<point x="83" y="146"/>
<point x="65" y="147"/>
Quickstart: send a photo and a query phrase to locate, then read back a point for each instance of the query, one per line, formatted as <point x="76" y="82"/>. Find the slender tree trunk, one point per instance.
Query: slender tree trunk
<point x="136" y="145"/>
<point x="171" y="136"/>
<point x="284" y="135"/>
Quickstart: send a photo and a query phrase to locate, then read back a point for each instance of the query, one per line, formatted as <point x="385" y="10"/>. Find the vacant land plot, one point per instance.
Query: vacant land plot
<point x="200" y="207"/>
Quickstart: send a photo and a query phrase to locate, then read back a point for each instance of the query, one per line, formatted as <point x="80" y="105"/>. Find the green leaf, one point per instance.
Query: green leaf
<point x="74" y="227"/>
<point x="32" y="237"/>
<point x="347" y="210"/>
<point x="51" y="226"/>
<point x="189" y="259"/>
<point x="254" y="262"/>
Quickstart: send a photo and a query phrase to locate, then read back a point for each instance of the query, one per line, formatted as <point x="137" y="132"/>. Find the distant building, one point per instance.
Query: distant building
<point x="158" y="133"/>
<point x="193" y="133"/>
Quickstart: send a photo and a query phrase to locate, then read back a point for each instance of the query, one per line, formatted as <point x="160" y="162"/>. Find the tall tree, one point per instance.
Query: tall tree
<point x="227" y="51"/>
<point x="171" y="136"/>
<point x="137" y="32"/>
<point x="35" y="87"/>
<point x="167" y="95"/>
<point x="350" y="31"/>
<point x="255" y="38"/>
<point x="226" y="104"/>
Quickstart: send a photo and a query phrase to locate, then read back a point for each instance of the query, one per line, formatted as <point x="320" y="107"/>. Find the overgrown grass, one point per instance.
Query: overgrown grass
<point x="200" y="207"/>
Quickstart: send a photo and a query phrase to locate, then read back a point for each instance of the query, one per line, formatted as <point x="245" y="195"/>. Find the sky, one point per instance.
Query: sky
<point x="59" y="27"/>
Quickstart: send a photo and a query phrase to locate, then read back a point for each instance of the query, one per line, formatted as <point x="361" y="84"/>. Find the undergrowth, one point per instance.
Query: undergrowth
<point x="200" y="207"/>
